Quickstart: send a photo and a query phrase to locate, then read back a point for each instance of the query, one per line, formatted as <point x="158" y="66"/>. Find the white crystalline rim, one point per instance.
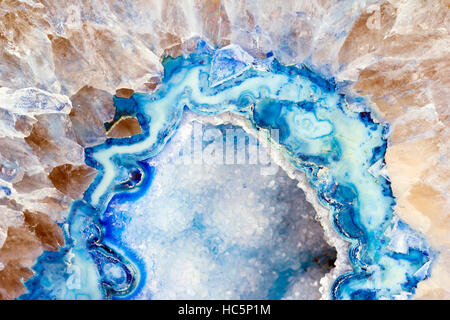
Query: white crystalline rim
<point x="342" y="263"/>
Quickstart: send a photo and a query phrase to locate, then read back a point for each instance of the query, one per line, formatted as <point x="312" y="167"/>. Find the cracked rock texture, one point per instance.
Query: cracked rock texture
<point x="60" y="64"/>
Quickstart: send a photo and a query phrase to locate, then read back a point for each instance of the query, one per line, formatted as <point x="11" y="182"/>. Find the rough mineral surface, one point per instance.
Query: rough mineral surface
<point x="41" y="171"/>
<point x="241" y="231"/>
<point x="61" y="63"/>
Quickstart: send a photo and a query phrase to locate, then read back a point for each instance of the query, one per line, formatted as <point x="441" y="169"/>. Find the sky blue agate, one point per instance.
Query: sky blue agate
<point x="336" y="148"/>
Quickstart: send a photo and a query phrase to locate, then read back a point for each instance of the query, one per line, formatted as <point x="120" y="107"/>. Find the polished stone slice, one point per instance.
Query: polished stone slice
<point x="334" y="146"/>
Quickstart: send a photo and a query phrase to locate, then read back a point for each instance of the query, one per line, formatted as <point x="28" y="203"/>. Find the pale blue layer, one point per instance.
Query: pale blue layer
<point x="333" y="145"/>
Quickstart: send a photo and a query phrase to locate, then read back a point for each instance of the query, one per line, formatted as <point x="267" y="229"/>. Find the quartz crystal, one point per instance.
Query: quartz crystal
<point x="221" y="149"/>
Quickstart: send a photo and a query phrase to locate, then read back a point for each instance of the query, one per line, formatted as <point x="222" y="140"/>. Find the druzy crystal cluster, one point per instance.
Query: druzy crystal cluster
<point x="223" y="150"/>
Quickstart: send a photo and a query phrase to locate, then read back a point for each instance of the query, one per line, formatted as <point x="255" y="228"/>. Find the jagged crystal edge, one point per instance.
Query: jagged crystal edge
<point x="342" y="263"/>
